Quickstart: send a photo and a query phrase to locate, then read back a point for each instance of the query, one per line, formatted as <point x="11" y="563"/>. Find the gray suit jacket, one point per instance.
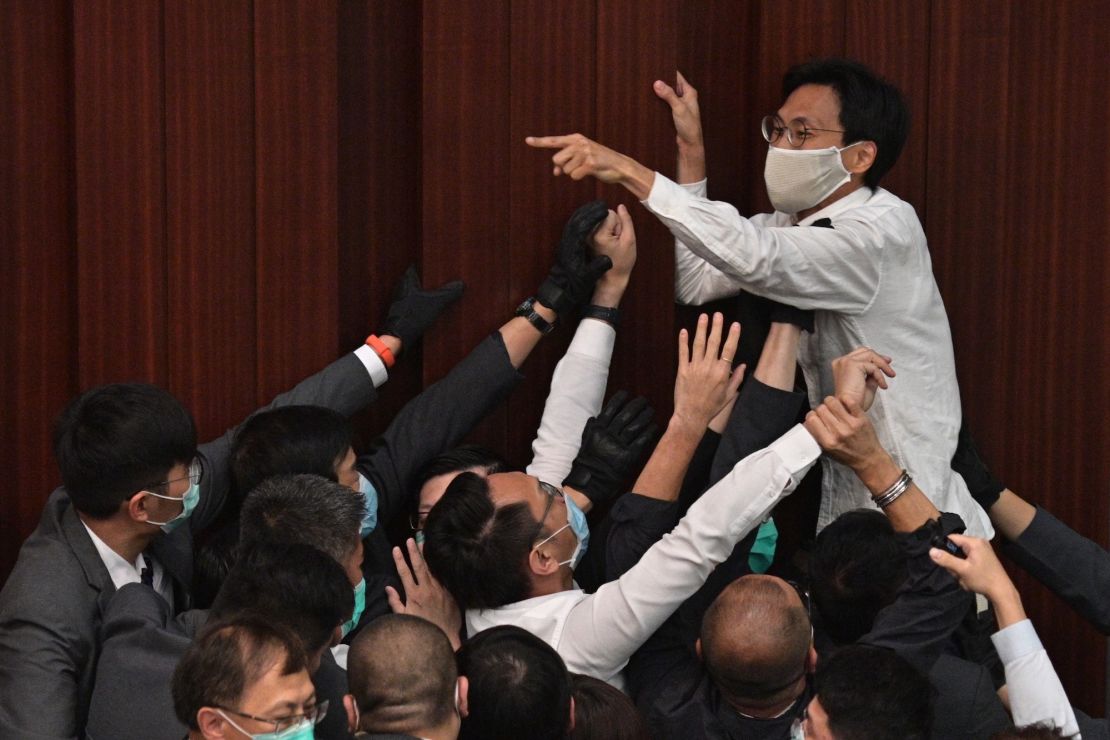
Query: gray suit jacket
<point x="52" y="606"/>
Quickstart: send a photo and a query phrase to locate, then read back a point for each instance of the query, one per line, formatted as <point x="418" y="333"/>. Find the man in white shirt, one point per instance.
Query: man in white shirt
<point x="868" y="277"/>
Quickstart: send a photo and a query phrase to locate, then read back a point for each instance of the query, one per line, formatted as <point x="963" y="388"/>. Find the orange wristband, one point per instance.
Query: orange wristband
<point x="382" y="351"/>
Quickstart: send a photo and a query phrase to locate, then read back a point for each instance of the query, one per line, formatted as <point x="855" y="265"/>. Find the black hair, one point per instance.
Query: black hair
<point x="306" y="509"/>
<point x="215" y="552"/>
<point x="519" y="686"/>
<point x="401" y="671"/>
<point x="604" y="712"/>
<point x="287" y="440"/>
<point x="459" y="459"/>
<point x="479" y="552"/>
<point x="294" y="585"/>
<point x="115" y="440"/>
<point x="226" y="659"/>
<point x="1039" y="731"/>
<point x="855" y="569"/>
<point x="871" y="108"/>
<point x="872" y="693"/>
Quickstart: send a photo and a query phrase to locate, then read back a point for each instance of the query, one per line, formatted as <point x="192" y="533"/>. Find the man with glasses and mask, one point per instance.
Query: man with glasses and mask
<point x="837" y="243"/>
<point x="246" y="678"/>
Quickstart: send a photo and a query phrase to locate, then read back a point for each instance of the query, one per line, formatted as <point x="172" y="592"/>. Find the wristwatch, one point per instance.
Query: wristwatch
<point x="528" y="311"/>
<point x="611" y="316"/>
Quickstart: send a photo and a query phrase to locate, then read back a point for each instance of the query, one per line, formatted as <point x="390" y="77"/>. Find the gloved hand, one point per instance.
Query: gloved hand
<point x="572" y="277"/>
<point x="413" y="310"/>
<point x="984" y="487"/>
<point x="613" y="446"/>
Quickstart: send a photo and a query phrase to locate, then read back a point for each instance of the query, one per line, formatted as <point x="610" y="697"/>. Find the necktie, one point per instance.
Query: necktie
<point x="146" y="575"/>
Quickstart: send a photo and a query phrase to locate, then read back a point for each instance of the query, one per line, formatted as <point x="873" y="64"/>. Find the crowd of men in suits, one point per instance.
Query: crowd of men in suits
<point x="628" y="582"/>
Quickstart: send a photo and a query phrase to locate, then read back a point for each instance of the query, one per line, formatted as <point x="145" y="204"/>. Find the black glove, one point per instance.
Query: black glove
<point x="613" y="445"/>
<point x="984" y="487"/>
<point x="413" y="310"/>
<point x="572" y="277"/>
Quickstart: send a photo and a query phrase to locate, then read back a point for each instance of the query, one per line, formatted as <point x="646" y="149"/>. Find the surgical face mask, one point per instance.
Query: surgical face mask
<point x="370" y="495"/>
<point x="418" y="535"/>
<point x="303" y="730"/>
<point x="577" y="520"/>
<point x="360" y="605"/>
<point x="798" y="179"/>
<point x="798" y="730"/>
<point x="188" y="503"/>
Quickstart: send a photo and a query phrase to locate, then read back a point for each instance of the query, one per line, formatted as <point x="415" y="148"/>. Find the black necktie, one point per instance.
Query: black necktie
<point x="146" y="575"/>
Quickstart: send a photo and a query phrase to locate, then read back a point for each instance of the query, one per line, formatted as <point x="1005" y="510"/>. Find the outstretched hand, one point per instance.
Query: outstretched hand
<point x="579" y="157"/>
<point x="683" y="100"/>
<point x="845" y="434"/>
<point x="613" y="447"/>
<point x="575" y="272"/>
<point x="858" y="375"/>
<point x="427" y="598"/>
<point x="414" y="309"/>
<point x="706" y="382"/>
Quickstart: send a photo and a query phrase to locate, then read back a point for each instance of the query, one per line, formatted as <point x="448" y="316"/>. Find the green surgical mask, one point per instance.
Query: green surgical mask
<point x="360" y="605"/>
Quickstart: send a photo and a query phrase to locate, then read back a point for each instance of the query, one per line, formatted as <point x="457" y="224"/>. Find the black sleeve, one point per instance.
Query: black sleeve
<point x="762" y="415"/>
<point x="1075" y="568"/>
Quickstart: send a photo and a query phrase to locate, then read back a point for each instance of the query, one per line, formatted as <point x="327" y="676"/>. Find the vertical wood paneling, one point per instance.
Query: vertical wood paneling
<point x="295" y="51"/>
<point x="38" y="319"/>
<point x="465" y="176"/>
<point x="210" y="209"/>
<point x="551" y="92"/>
<point x="120" y="152"/>
<point x="892" y="38"/>
<point x="379" y="179"/>
<point x="636" y="46"/>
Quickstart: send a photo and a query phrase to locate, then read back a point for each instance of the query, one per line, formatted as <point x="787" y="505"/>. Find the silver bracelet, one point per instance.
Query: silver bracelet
<point x="890" y="495"/>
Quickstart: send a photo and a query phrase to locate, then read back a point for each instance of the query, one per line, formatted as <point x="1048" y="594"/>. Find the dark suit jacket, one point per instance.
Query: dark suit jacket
<point x="431" y="423"/>
<point x="1076" y="569"/>
<point x="52" y="606"/>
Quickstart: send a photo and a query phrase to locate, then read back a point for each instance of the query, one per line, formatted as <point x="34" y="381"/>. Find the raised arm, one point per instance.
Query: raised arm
<point x="1036" y="694"/>
<point x="683" y="101"/>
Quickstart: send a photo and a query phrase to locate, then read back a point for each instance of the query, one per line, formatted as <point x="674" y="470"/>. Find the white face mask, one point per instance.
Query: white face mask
<point x="798" y="179"/>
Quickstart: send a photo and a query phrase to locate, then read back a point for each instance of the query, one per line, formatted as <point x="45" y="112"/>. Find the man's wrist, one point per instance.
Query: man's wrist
<point x="636" y="178"/>
<point x="877" y="472"/>
<point x="545" y="313"/>
<point x="393" y="343"/>
<point x="609" y="290"/>
<point x="583" y="501"/>
<point x="1007" y="605"/>
<point x="683" y="426"/>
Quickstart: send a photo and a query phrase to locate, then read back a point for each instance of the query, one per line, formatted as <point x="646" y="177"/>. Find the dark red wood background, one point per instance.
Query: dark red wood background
<point x="217" y="195"/>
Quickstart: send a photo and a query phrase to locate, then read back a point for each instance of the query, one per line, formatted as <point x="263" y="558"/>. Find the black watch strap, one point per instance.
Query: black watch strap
<point x="527" y="309"/>
<point x="611" y="316"/>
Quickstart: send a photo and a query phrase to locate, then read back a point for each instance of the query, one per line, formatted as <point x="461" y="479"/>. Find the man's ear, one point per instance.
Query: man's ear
<point x="352" y="713"/>
<point x="697" y="649"/>
<point x="210" y="722"/>
<point x="571" y="716"/>
<point x="811" y="659"/>
<point x="860" y="157"/>
<point x="540" y="563"/>
<point x="462" y="696"/>
<point x="136" y="507"/>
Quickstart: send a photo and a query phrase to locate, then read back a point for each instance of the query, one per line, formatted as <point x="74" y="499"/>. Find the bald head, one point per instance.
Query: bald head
<point x="755" y="638"/>
<point x="401" y="671"/>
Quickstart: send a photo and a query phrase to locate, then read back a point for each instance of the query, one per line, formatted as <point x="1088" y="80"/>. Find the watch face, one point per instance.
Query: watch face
<point x="525" y="307"/>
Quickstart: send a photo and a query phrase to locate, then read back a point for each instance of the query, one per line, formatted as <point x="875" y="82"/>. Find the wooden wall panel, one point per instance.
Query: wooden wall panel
<point x="639" y="48"/>
<point x="465" y="179"/>
<point x="38" y="322"/>
<point x="296" y="55"/>
<point x="379" y="179"/>
<point x="892" y="38"/>
<point x="120" y="153"/>
<point x="210" y="209"/>
<point x="552" y="91"/>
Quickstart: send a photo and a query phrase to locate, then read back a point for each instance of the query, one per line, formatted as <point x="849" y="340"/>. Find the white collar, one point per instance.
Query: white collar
<point x="120" y="571"/>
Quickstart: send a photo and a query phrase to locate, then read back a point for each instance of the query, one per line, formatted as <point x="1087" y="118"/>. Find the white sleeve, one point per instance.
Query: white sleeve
<point x="718" y="251"/>
<point x="1036" y="694"/>
<point x="373" y="364"/>
<point x="604" y="629"/>
<point x="577" y="391"/>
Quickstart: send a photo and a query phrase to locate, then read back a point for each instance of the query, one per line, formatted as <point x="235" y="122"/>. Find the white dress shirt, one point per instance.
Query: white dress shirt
<point x="122" y="572"/>
<point x="597" y="633"/>
<point x="869" y="280"/>
<point x="577" y="392"/>
<point x="1036" y="694"/>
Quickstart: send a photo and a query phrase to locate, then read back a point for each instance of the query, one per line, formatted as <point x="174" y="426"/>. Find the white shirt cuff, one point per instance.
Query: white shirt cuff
<point x="698" y="189"/>
<point x="373" y="364"/>
<point x="1016" y="641"/>
<point x="593" y="338"/>
<point x="665" y="195"/>
<point x="797" y="449"/>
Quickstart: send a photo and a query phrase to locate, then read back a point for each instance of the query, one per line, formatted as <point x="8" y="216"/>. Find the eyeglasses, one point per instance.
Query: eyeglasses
<point x="315" y="715"/>
<point x="552" y="494"/>
<point x="194" y="476"/>
<point x="803" y="594"/>
<point x="796" y="133"/>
